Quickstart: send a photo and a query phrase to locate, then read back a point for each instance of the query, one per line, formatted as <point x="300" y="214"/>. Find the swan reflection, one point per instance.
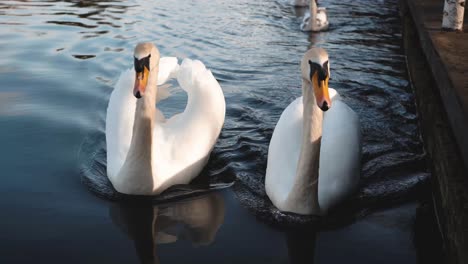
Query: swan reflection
<point x="196" y="220"/>
<point x="301" y="245"/>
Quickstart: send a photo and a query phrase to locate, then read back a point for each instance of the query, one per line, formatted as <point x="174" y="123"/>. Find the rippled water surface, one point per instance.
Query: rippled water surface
<point x="59" y="61"/>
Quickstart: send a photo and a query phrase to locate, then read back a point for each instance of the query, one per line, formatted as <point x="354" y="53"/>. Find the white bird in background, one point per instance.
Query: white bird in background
<point x="314" y="157"/>
<point x="316" y="19"/>
<point x="146" y="153"/>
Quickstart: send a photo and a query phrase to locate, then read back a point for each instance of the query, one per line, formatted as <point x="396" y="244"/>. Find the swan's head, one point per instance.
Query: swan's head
<point x="316" y="71"/>
<point x="146" y="59"/>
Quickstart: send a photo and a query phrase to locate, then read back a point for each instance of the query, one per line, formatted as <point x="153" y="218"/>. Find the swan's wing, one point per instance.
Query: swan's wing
<point x="206" y="101"/>
<point x="163" y="92"/>
<point x="206" y="106"/>
<point x="340" y="154"/>
<point x="168" y="67"/>
<point x="193" y="75"/>
<point x="183" y="143"/>
<point x="119" y="122"/>
<point x="334" y="95"/>
<point x="283" y="153"/>
<point x="201" y="122"/>
<point x="322" y="20"/>
<point x="187" y="74"/>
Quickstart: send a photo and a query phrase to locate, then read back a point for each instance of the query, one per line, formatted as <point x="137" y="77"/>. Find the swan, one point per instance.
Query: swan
<point x="316" y="19"/>
<point x="146" y="153"/>
<point x="314" y="157"/>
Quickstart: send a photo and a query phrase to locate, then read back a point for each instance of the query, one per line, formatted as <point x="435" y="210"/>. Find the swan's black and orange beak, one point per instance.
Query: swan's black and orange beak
<point x="319" y="78"/>
<point x="141" y="80"/>
<point x="142" y="68"/>
<point x="321" y="92"/>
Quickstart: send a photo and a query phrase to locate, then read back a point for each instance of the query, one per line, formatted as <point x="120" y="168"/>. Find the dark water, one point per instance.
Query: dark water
<point x="58" y="63"/>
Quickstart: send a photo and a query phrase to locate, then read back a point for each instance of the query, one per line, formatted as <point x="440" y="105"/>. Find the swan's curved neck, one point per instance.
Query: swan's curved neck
<point x="313" y="14"/>
<point x="137" y="168"/>
<point x="144" y="118"/>
<point x="146" y="106"/>
<point x="307" y="174"/>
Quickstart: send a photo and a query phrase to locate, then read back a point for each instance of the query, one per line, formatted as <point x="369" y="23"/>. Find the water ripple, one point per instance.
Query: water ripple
<point x="254" y="52"/>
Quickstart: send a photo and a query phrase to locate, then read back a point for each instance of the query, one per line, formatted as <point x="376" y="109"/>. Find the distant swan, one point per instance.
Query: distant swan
<point x="316" y="19"/>
<point x="314" y="157"/>
<point x="146" y="153"/>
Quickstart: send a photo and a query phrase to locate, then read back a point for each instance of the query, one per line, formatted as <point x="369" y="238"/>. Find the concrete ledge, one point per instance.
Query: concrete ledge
<point x="436" y="76"/>
<point x="447" y="54"/>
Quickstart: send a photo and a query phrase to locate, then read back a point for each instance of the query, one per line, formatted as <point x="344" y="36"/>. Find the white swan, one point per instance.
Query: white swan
<point x="316" y="19"/>
<point x="314" y="157"/>
<point x="146" y="153"/>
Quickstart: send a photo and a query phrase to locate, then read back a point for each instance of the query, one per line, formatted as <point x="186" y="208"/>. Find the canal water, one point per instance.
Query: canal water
<point x="59" y="61"/>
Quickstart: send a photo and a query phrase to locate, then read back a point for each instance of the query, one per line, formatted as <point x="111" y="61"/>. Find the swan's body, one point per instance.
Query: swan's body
<point x="316" y="19"/>
<point x="146" y="153"/>
<point x="303" y="150"/>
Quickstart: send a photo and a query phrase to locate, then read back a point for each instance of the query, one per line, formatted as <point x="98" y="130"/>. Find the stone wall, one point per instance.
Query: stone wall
<point x="449" y="177"/>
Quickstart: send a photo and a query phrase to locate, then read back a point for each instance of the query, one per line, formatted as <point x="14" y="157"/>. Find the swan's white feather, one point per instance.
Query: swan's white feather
<point x="339" y="165"/>
<point x="340" y="155"/>
<point x="168" y="68"/>
<point x="283" y="154"/>
<point x="181" y="144"/>
<point x="119" y="122"/>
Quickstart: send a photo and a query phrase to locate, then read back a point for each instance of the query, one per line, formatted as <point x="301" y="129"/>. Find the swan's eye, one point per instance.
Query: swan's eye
<point x="322" y="74"/>
<point x="321" y="71"/>
<point x="325" y="68"/>
<point x="140" y="64"/>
